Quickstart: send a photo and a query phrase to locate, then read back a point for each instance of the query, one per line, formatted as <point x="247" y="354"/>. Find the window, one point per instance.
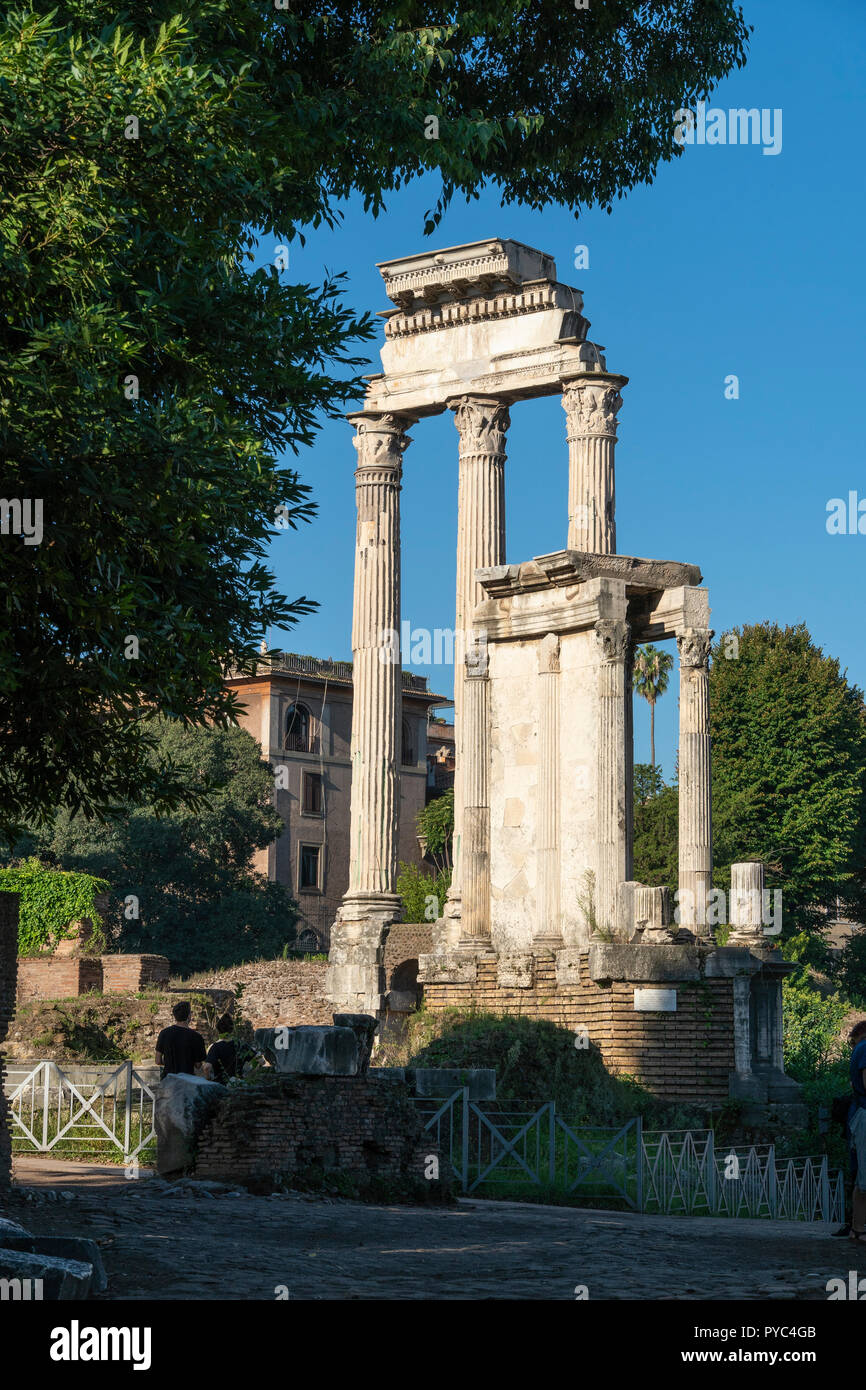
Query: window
<point x="407" y="752"/>
<point x="310" y="867"/>
<point x="311" y="793"/>
<point x="297" y="739"/>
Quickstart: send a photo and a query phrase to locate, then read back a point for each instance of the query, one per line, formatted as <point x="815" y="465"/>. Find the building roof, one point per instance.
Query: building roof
<point x="334" y="672"/>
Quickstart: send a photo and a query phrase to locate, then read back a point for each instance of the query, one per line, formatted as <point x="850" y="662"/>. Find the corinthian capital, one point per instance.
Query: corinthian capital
<point x="612" y="638"/>
<point x="482" y="423"/>
<point x="381" y="440"/>
<point x="591" y="408"/>
<point x="694" y="645"/>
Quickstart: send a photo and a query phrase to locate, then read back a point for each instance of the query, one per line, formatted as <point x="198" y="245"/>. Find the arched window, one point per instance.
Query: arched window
<point x="407" y="752"/>
<point x="297" y="739"/>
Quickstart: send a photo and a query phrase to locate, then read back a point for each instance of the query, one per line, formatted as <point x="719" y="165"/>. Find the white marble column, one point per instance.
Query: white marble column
<point x="475" y="916"/>
<point x="482" y="423"/>
<point x="746" y="904"/>
<point x="376" y="668"/>
<point x="548" y="926"/>
<point x="629" y="761"/>
<point x="695" y="817"/>
<point x="612" y="637"/>
<point x="371" y="902"/>
<point x="591" y="407"/>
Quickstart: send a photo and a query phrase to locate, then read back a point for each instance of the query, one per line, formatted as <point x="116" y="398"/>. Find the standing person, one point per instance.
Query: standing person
<point x="857" y="1129"/>
<point x="179" y="1048"/>
<point x="224" y="1055"/>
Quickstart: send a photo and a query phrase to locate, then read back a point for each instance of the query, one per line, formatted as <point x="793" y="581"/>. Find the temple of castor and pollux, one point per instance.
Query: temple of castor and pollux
<point x="543" y="917"/>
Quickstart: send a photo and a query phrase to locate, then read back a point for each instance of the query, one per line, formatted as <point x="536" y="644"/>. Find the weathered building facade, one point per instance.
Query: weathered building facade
<point x="299" y="708"/>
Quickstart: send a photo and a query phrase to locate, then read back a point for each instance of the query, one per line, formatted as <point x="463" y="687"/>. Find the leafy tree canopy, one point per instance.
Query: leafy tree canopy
<point x="150" y="381"/>
<point x="182" y="884"/>
<point x="789" y="770"/>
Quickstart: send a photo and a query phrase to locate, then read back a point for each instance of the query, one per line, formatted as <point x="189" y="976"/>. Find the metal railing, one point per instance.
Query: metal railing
<point x="667" y="1172"/>
<point x="496" y="1147"/>
<point x="51" y="1113"/>
<point x="685" y="1172"/>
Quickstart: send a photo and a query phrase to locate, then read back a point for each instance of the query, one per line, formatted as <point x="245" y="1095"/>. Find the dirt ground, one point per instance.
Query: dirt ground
<point x="196" y="1242"/>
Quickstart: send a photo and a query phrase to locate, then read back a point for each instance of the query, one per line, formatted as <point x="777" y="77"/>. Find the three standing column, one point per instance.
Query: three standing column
<point x="482" y="423"/>
<point x="695" y="815"/>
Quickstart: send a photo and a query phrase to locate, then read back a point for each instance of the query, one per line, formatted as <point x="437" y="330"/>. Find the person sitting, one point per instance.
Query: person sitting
<point x="225" y="1056"/>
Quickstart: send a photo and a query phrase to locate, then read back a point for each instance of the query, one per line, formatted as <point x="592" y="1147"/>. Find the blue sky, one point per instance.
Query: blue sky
<point x="732" y="262"/>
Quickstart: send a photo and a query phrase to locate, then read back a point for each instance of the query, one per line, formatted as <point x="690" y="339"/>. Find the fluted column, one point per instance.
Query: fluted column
<point x="376" y="670"/>
<point x="695" y="817"/>
<point x="548" y="929"/>
<point x="612" y="637"/>
<point x="475" y="916"/>
<point x="629" y="760"/>
<point x="746" y="907"/>
<point x="482" y="423"/>
<point x="591" y="407"/>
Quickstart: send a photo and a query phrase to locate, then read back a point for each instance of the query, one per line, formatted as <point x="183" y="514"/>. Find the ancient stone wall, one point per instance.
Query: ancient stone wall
<point x="359" y="1126"/>
<point x="274" y="992"/>
<point x="683" y="1056"/>
<point x="8" y="967"/>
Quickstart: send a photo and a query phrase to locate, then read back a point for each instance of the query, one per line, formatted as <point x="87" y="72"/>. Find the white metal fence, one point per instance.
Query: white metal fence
<point x="48" y="1112"/>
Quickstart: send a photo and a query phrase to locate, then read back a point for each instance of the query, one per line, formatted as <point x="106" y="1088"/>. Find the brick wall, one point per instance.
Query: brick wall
<point x="406" y="941"/>
<point x="682" y="1056"/>
<point x="277" y="991"/>
<point x="8" y="971"/>
<point x="62" y="977"/>
<point x="127" y="974"/>
<point x="355" y="1125"/>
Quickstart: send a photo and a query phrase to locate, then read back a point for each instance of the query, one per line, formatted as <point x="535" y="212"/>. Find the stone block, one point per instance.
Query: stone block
<point x="447" y="968"/>
<point x="60" y="1279"/>
<point x="365" y="1028"/>
<point x="183" y="1106"/>
<point x="76" y="1248"/>
<point x="444" y="1081"/>
<point x="643" y="964"/>
<point x="311" y="1050"/>
<point x="568" y="966"/>
<point x="515" y="971"/>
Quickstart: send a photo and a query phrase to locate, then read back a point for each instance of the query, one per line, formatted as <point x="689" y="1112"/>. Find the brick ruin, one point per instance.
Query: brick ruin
<point x="354" y="1125"/>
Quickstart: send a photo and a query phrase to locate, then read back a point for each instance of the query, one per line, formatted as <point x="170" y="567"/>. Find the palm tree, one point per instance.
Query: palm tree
<point x="651" y="671"/>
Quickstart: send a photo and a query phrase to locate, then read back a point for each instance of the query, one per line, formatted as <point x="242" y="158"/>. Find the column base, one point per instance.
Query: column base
<point x="355" y="981"/>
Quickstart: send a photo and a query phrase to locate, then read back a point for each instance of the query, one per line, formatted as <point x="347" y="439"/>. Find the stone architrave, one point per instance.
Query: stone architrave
<point x="371" y="900"/>
<point x="591" y="406"/>
<point x="548" y="931"/>
<point x="612" y="637"/>
<point x="695" y="817"/>
<point x="482" y="423"/>
<point x="475" y="916"/>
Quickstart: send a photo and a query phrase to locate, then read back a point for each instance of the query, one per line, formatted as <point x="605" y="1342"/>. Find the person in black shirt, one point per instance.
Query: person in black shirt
<point x="180" y="1048"/>
<point x="224" y="1056"/>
